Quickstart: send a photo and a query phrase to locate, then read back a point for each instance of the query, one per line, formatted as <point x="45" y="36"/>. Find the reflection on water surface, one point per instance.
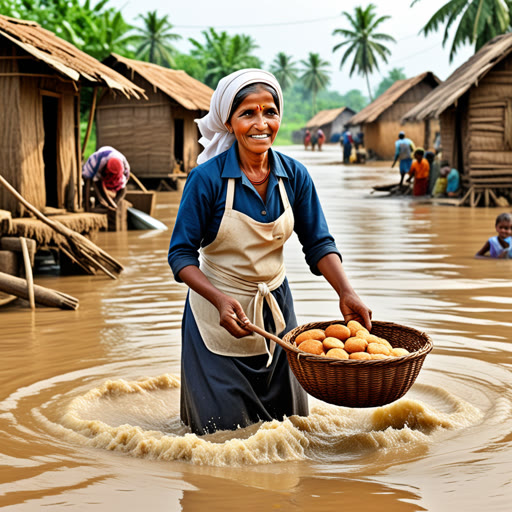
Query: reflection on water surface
<point x="89" y="399"/>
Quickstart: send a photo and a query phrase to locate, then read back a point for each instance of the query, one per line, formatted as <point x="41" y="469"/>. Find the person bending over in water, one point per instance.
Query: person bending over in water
<point x="499" y="246"/>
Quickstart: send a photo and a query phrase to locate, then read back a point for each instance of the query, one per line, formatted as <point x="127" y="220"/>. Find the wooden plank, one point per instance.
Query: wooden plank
<point x="497" y="181"/>
<point x="491" y="166"/>
<point x="487" y="173"/>
<point x="478" y="119"/>
<point x="490" y="157"/>
<point x="28" y="274"/>
<point x="486" y="104"/>
<point x="486" y="127"/>
<point x="508" y="125"/>
<point x="466" y="195"/>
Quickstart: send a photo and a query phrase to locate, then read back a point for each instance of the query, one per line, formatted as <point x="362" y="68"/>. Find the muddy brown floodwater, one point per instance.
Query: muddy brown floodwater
<point x="89" y="399"/>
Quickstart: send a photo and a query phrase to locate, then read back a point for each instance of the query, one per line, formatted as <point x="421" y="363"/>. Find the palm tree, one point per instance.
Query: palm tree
<point x="284" y="69"/>
<point x="222" y="54"/>
<point x="315" y="75"/>
<point x="363" y="41"/>
<point x="155" y="39"/>
<point x="481" y="20"/>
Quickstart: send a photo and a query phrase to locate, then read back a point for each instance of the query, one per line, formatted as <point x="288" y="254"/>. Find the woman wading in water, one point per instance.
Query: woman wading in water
<point x="239" y="207"/>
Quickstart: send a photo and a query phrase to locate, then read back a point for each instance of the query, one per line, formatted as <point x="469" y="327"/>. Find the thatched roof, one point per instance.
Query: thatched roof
<point x="371" y="112"/>
<point x="62" y="56"/>
<point x="326" y="116"/>
<point x="178" y="85"/>
<point x="464" y="77"/>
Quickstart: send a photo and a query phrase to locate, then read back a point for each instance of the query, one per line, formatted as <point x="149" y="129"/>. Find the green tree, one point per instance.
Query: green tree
<point x="155" y="39"/>
<point x="97" y="30"/>
<point x="363" y="42"/>
<point x="315" y="75"/>
<point x="393" y="76"/>
<point x="355" y="100"/>
<point x="222" y="54"/>
<point x="284" y="69"/>
<point x="479" y="21"/>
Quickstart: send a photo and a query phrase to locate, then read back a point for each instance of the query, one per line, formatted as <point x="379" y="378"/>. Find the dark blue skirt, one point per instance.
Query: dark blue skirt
<point x="226" y="393"/>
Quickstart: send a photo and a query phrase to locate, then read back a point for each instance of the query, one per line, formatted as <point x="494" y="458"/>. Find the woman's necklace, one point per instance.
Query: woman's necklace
<point x="261" y="181"/>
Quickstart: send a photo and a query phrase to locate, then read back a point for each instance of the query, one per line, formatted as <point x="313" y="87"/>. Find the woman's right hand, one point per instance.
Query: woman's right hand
<point x="231" y="313"/>
<point x="232" y="317"/>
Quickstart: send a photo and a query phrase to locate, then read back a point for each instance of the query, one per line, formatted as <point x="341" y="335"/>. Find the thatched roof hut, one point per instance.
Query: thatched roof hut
<point x="332" y="122"/>
<point x="158" y="133"/>
<point x="40" y="80"/>
<point x="474" y="105"/>
<point x="381" y="120"/>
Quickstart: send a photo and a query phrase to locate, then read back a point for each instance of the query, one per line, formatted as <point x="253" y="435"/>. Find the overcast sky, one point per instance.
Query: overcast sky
<point x="297" y="27"/>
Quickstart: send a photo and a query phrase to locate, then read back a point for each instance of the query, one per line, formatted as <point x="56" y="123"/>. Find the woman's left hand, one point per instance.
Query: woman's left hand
<point x="353" y="308"/>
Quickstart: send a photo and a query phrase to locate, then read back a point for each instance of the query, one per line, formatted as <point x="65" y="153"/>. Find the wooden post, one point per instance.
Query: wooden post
<point x="138" y="182"/>
<point x="13" y="285"/>
<point x="28" y="273"/>
<point x="89" y="123"/>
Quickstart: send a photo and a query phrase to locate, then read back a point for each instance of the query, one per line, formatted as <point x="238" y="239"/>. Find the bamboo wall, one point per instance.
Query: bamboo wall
<point x="10" y="130"/>
<point x="448" y="145"/>
<point x="489" y="121"/>
<point x="380" y="136"/>
<point x="22" y="133"/>
<point x="143" y="130"/>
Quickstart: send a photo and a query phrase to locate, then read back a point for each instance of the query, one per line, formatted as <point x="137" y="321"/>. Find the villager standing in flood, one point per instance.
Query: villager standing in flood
<point x="239" y="207"/>
<point x="404" y="148"/>
<point x="420" y="169"/>
<point x="109" y="171"/>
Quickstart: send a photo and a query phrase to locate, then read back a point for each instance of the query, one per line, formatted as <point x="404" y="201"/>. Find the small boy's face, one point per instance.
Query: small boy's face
<point x="419" y="156"/>
<point x="504" y="229"/>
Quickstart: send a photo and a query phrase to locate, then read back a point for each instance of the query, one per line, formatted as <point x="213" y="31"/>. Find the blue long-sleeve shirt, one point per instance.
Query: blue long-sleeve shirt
<point x="204" y="197"/>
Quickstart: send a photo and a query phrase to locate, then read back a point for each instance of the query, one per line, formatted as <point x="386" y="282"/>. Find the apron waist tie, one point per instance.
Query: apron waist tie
<point x="277" y="315"/>
<point x="231" y="284"/>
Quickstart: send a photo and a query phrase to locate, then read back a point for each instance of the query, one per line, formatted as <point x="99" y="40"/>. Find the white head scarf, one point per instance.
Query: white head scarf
<point x="215" y="136"/>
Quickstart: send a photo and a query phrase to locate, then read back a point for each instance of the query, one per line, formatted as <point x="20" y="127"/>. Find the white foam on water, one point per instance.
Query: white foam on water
<point x="141" y="418"/>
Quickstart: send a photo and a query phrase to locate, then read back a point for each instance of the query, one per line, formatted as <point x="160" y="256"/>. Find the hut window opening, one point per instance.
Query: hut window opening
<point x="179" y="128"/>
<point x="50" y="120"/>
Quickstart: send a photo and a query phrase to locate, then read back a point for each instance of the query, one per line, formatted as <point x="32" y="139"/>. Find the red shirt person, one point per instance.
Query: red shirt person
<point x="420" y="169"/>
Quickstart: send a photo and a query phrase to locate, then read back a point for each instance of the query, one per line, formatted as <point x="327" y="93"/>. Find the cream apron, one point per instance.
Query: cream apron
<point x="245" y="261"/>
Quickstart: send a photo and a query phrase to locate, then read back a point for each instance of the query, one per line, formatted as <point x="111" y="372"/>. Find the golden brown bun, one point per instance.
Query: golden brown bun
<point x="379" y="356"/>
<point x="360" y="355"/>
<point x="355" y="326"/>
<point x="313" y="347"/>
<point x="312" y="334"/>
<point x="337" y="353"/>
<point x="355" y="344"/>
<point x="331" y="342"/>
<point x="342" y="332"/>
<point x="377" y="348"/>
<point x="397" y="352"/>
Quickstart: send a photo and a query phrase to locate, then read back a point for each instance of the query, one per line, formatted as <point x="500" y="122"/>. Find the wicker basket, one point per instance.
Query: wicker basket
<point x="366" y="383"/>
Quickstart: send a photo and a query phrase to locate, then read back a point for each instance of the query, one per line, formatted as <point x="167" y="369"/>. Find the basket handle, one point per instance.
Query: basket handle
<point x="258" y="330"/>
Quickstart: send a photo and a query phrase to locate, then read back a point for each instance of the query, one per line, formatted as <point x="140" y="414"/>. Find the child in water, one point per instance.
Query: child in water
<point x="499" y="246"/>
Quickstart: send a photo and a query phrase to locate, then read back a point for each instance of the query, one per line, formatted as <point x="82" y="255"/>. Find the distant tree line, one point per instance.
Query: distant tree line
<point x="99" y="30"/>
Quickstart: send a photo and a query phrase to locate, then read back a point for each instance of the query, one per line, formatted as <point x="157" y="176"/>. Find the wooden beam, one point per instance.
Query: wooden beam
<point x="466" y="195"/>
<point x="28" y="273"/>
<point x="89" y="123"/>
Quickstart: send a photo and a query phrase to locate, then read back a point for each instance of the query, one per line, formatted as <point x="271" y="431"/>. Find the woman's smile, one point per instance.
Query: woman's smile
<point x="255" y="122"/>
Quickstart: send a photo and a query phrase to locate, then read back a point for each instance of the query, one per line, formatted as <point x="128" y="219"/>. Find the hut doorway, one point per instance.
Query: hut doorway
<point x="50" y="121"/>
<point x="179" y="128"/>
